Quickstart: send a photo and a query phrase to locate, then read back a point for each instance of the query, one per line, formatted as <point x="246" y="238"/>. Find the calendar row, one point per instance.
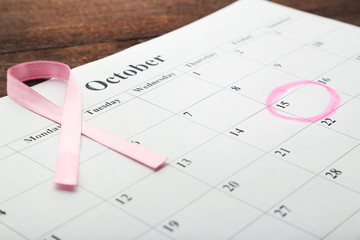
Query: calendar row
<point x="211" y="130"/>
<point x="176" y="203"/>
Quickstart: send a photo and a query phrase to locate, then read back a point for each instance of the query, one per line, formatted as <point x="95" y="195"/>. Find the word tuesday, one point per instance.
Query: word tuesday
<point x="133" y="70"/>
<point x="104" y="106"/>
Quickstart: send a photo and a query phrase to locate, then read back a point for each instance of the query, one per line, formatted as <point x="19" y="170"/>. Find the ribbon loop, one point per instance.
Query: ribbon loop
<point x="70" y="118"/>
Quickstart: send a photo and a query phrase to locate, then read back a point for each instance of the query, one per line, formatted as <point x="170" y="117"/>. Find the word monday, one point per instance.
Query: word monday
<point x="133" y="70"/>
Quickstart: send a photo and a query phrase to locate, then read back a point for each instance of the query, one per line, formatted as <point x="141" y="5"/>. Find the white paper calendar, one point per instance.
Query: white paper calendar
<point x="237" y="168"/>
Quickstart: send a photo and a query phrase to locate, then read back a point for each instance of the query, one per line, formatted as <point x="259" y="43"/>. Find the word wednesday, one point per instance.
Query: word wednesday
<point x="133" y="70"/>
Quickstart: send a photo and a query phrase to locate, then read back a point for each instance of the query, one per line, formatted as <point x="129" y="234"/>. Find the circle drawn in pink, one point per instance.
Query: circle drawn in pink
<point x="275" y="95"/>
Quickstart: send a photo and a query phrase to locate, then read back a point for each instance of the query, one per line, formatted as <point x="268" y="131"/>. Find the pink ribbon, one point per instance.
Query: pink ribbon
<point x="70" y="118"/>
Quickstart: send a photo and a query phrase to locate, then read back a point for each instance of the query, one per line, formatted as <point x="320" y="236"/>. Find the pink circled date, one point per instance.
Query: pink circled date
<point x="278" y="92"/>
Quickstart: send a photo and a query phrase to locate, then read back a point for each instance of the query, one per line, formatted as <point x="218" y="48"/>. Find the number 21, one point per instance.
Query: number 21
<point x="282" y="152"/>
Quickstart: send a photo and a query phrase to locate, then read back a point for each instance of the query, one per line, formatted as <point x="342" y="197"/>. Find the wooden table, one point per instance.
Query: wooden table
<point x="77" y="32"/>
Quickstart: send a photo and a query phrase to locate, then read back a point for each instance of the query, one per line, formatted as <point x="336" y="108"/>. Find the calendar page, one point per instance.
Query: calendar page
<point x="257" y="108"/>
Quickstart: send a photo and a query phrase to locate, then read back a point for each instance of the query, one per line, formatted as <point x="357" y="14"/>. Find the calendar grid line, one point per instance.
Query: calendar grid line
<point x="101" y="201"/>
<point x="224" y="133"/>
<point x="129" y="186"/>
<point x="37" y="163"/>
<point x="11" y="154"/>
<point x="153" y="227"/>
<point x="259" y="28"/>
<point x="15" y="231"/>
<point x="48" y="126"/>
<point x="128" y="91"/>
<point x="26" y="190"/>
<point x="105" y="110"/>
<point x="341" y="224"/>
<point x="357" y="59"/>
<point x="290" y="194"/>
<point x="105" y="100"/>
<point x="19" y="194"/>
<point x="338" y="131"/>
<point x="276" y="219"/>
<point x="215" y="187"/>
<point x="319" y="124"/>
<point x="157" y="231"/>
<point x="315" y="173"/>
<point x="73" y="217"/>
<point x="211" y="188"/>
<point x="334" y="182"/>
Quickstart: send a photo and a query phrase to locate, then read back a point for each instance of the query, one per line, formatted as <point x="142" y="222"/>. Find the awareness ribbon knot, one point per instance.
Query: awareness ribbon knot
<point x="70" y="118"/>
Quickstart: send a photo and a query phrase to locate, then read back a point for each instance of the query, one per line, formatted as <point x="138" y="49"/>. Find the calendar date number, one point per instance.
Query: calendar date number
<point x="124" y="198"/>
<point x="184" y="162"/>
<point x="333" y="173"/>
<point x="171" y="226"/>
<point x="231" y="186"/>
<point x="282" y="211"/>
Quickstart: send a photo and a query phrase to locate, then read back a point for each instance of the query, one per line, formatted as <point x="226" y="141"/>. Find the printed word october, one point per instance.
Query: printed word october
<point x="97" y="85"/>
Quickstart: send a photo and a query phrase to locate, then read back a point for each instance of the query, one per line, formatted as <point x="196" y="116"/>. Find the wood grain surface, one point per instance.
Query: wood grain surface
<point x="76" y="32"/>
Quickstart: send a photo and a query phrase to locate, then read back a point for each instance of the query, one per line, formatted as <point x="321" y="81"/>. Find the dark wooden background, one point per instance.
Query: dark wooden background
<point x="76" y="32"/>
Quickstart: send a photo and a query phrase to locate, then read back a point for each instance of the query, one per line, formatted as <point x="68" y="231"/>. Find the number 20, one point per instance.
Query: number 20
<point x="231" y="186"/>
